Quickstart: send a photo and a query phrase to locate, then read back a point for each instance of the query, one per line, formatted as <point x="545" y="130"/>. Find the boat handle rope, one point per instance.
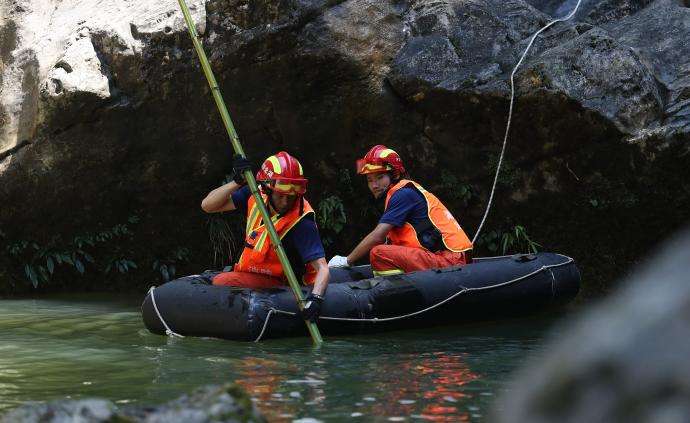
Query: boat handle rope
<point x="464" y="290"/>
<point x="510" y="113"/>
<point x="168" y="331"/>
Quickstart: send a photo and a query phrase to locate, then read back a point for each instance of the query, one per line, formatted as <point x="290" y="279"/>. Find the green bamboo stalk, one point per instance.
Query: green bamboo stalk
<point x="234" y="139"/>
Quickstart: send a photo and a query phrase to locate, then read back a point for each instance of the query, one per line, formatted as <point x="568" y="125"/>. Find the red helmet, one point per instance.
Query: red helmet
<point x="283" y="173"/>
<point x="381" y="159"/>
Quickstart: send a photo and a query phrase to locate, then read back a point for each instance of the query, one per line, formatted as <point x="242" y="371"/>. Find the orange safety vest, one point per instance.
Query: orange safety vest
<point x="454" y="238"/>
<point x="258" y="255"/>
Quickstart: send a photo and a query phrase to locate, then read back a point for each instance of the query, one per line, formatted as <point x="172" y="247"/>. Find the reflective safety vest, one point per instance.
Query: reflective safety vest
<point x="258" y="255"/>
<point x="451" y="234"/>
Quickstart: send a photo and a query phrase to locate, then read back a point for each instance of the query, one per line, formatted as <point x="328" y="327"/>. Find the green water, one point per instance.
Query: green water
<point x="97" y="347"/>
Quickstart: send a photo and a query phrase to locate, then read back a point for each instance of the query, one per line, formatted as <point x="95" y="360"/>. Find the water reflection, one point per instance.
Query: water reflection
<point x="262" y="379"/>
<point x="58" y="349"/>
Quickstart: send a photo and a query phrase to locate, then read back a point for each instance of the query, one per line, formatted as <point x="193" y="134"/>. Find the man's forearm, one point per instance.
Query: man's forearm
<point x="370" y="241"/>
<point x="322" y="276"/>
<point x="220" y="199"/>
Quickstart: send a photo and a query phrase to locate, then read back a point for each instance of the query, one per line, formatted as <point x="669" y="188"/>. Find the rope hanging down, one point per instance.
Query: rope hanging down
<point x="510" y="112"/>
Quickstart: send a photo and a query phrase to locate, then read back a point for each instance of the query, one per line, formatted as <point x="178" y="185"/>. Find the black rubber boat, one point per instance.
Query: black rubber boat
<point x="357" y="302"/>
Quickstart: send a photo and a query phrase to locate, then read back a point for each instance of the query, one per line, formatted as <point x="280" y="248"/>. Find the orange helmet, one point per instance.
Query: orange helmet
<point x="381" y="159"/>
<point x="282" y="173"/>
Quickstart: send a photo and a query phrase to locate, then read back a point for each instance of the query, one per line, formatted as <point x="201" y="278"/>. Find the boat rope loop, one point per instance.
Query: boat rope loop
<point x="510" y="112"/>
<point x="168" y="331"/>
<point x="462" y="291"/>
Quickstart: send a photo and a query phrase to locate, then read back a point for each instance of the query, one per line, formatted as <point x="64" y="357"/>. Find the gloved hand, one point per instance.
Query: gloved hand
<point x="312" y="307"/>
<point x="239" y="166"/>
<point x="338" y="261"/>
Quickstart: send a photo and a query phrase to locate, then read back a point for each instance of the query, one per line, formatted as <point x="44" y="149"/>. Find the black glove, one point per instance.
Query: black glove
<point x="239" y="166"/>
<point x="312" y="307"/>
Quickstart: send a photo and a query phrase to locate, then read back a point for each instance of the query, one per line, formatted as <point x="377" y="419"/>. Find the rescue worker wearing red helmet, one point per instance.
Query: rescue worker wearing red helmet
<point x="415" y="232"/>
<point x="283" y="185"/>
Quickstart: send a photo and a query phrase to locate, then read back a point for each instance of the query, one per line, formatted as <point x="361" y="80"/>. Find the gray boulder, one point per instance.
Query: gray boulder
<point x="105" y="113"/>
<point x="625" y="360"/>
<point x="75" y="411"/>
<point x="227" y="403"/>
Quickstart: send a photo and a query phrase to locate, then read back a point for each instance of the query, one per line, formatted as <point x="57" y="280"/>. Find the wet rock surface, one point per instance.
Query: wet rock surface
<point x="623" y="361"/>
<point x="105" y="114"/>
<point x="226" y="403"/>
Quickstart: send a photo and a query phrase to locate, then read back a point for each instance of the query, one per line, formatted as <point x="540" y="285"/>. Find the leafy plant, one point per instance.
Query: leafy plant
<point x="514" y="240"/>
<point x="222" y="239"/>
<point x="508" y="175"/>
<point x="122" y="265"/>
<point x="331" y="217"/>
<point x="40" y="262"/>
<point x="346" y="185"/>
<point x="167" y="267"/>
<point x="331" y="214"/>
<point x="457" y="190"/>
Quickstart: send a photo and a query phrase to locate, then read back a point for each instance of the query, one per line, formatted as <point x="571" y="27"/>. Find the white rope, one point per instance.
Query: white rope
<point x="268" y="317"/>
<point x="464" y="290"/>
<point x="168" y="331"/>
<point x="510" y="113"/>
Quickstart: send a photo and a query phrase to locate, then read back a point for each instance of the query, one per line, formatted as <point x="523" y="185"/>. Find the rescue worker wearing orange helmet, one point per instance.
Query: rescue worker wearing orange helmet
<point x="283" y="185"/>
<point x="415" y="232"/>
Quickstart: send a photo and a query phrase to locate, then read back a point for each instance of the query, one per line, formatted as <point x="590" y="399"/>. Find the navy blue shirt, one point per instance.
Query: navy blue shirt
<point x="405" y="205"/>
<point x="302" y="243"/>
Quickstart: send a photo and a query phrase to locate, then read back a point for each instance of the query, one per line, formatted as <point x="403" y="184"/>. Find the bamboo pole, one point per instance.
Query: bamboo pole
<point x="234" y="139"/>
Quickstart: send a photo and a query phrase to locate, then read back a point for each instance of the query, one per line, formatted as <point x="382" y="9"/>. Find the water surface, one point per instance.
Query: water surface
<point x="94" y="346"/>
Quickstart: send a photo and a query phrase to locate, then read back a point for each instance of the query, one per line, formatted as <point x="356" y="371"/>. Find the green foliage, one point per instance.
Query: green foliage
<point x="167" y="267"/>
<point x="331" y="217"/>
<point x="515" y="240"/>
<point x="122" y="265"/>
<point x="456" y="190"/>
<point x="331" y="214"/>
<point x="346" y="183"/>
<point x="222" y="239"/>
<point x="40" y="262"/>
<point x="509" y="174"/>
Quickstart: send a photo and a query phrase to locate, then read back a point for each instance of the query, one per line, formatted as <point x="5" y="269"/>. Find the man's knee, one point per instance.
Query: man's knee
<point x="377" y="252"/>
<point x="226" y="279"/>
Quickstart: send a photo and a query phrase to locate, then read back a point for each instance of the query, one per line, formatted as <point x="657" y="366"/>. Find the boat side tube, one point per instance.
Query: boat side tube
<point x="357" y="302"/>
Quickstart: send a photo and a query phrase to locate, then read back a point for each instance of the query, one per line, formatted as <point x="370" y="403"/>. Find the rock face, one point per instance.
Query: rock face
<point x="208" y="404"/>
<point x="105" y="114"/>
<point x="623" y="361"/>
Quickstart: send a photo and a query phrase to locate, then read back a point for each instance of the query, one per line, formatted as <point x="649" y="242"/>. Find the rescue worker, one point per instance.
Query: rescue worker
<point x="415" y="232"/>
<point x="282" y="185"/>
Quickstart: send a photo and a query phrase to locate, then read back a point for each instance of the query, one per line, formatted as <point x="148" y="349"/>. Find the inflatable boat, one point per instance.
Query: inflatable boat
<point x="358" y="302"/>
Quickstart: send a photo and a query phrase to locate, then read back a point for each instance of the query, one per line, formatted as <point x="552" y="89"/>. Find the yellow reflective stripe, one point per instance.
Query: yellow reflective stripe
<point x="372" y="168"/>
<point x="387" y="272"/>
<point x="253" y="219"/>
<point x="386" y="153"/>
<point x="264" y="235"/>
<point x="276" y="164"/>
<point x="281" y="186"/>
<point x="274" y="219"/>
<point x="260" y="243"/>
<point x="301" y="172"/>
